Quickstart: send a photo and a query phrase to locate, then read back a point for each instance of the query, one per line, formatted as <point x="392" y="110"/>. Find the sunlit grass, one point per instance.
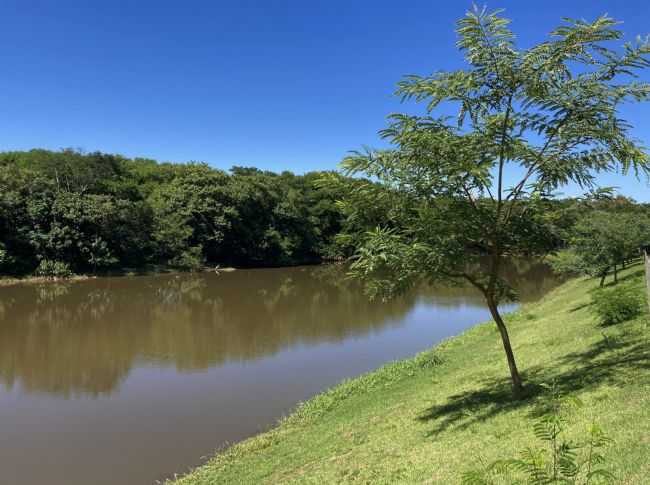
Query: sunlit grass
<point x="429" y="419"/>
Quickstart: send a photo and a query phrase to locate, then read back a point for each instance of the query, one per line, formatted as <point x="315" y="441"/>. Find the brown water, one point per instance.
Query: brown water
<point x="130" y="380"/>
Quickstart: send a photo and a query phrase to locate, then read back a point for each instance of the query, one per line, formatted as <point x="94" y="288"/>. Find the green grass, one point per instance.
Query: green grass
<point x="431" y="418"/>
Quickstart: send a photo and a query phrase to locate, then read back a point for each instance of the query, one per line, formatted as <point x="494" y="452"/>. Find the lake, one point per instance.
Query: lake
<point x="131" y="379"/>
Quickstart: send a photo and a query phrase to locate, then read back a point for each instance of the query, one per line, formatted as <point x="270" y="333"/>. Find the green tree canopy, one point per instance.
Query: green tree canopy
<point x="548" y="115"/>
<point x="85" y="212"/>
<point x="602" y="241"/>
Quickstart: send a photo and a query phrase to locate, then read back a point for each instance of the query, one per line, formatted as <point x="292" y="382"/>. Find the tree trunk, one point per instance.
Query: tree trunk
<point x="615" y="274"/>
<point x="517" y="385"/>
<point x="602" y="277"/>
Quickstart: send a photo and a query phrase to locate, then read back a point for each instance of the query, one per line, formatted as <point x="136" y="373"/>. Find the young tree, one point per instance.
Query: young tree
<point x="543" y="117"/>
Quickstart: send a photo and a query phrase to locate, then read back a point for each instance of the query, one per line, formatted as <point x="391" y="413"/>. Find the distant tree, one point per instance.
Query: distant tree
<point x="77" y="229"/>
<point x="254" y="237"/>
<point x="547" y="115"/>
<point x="603" y="241"/>
<point x="279" y="219"/>
<point x="16" y="188"/>
<point x="190" y="215"/>
<point x="71" y="170"/>
<point x="363" y="205"/>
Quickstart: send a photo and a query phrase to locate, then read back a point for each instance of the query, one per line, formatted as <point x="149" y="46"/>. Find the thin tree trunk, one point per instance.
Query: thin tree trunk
<point x="602" y="277"/>
<point x="615" y="274"/>
<point x="517" y="384"/>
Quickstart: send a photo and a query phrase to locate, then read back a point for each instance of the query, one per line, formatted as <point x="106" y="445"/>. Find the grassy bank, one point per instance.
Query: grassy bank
<point x="429" y="419"/>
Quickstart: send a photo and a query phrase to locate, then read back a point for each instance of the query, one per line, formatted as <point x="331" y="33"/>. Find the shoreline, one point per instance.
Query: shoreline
<point x="151" y="270"/>
<point x="33" y="280"/>
<point x="126" y="273"/>
<point x="377" y="426"/>
<point x="307" y="412"/>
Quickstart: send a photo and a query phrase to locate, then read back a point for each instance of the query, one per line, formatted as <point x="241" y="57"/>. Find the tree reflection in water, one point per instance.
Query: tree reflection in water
<point x="86" y="336"/>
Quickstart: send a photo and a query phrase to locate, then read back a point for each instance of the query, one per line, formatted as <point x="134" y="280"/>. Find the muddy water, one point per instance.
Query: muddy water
<point x="130" y="380"/>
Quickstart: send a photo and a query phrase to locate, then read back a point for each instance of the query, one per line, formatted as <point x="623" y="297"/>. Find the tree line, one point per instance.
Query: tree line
<point x="66" y="211"/>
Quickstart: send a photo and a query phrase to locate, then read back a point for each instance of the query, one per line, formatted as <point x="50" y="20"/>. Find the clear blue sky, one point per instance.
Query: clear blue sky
<point x="279" y="85"/>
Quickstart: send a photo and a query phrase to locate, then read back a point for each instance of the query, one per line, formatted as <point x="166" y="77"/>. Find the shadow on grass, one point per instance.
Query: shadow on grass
<point x="615" y="360"/>
<point x="635" y="275"/>
<point x="626" y="277"/>
<point x="580" y="307"/>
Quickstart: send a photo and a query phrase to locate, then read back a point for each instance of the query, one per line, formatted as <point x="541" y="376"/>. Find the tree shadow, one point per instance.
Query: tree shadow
<point x="464" y="409"/>
<point x="635" y="275"/>
<point x="626" y="277"/>
<point x="580" y="307"/>
<point x="613" y="360"/>
<point x="622" y="279"/>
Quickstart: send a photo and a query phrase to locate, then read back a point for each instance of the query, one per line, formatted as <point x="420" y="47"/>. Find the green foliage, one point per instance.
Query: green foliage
<point x="606" y="239"/>
<point x="193" y="210"/>
<point x="190" y="259"/>
<point x="559" y="461"/>
<point x="5" y="259"/>
<point x="543" y="116"/>
<point x="97" y="211"/>
<point x="53" y="269"/>
<point x="566" y="262"/>
<point x="364" y="206"/>
<point x="617" y="304"/>
<point x="550" y="110"/>
<point x="598" y="233"/>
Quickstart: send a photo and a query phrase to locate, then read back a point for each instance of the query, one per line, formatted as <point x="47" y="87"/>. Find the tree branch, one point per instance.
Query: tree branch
<point x="502" y="154"/>
<point x="514" y="194"/>
<point x="469" y="196"/>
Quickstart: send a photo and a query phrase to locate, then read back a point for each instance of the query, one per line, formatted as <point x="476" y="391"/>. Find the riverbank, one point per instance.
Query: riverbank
<point x="145" y="271"/>
<point x="433" y="417"/>
<point x="10" y="280"/>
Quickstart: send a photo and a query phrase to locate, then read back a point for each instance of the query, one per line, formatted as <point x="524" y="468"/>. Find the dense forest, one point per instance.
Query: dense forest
<point x="68" y="211"/>
<point x="64" y="212"/>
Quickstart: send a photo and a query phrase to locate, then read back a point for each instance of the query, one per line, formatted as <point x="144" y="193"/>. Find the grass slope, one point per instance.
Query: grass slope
<point x="430" y="418"/>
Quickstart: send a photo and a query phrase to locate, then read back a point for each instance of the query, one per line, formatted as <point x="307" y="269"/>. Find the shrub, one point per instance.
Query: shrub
<point x="616" y="305"/>
<point x="558" y="461"/>
<point x="53" y="269"/>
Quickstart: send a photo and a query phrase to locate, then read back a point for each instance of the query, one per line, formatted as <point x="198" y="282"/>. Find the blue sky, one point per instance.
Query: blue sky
<point x="291" y="84"/>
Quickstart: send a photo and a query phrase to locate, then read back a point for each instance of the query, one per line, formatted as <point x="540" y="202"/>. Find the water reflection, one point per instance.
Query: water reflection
<point x="131" y="380"/>
<point x="85" y="337"/>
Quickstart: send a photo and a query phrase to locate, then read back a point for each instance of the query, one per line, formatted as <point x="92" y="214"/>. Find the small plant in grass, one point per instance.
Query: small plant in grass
<point x="558" y="461"/>
<point x="616" y="305"/>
